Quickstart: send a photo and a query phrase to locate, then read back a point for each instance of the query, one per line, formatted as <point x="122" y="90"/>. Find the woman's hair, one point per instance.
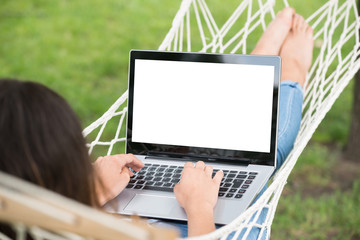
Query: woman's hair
<point x="41" y="141"/>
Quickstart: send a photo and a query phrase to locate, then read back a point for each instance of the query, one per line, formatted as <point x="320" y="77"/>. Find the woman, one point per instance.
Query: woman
<point x="41" y="138"/>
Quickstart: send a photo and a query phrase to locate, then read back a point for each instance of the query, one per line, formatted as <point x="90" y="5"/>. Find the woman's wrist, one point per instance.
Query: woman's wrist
<point x="199" y="209"/>
<point x="200" y="220"/>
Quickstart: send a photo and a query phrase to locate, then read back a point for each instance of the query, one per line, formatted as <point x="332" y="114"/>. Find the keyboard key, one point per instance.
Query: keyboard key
<point x="221" y="194"/>
<point x="167" y="184"/>
<point x="229" y="195"/>
<point x="149" y="183"/>
<point x="242" y="172"/>
<point x="242" y="191"/>
<point x="238" y="196"/>
<point x="159" y="174"/>
<point x="248" y="181"/>
<point x="245" y="186"/>
<point x="169" y="170"/>
<point x="167" y="174"/>
<point x="138" y="187"/>
<point x="177" y="175"/>
<point x="228" y="180"/>
<point x="227" y="185"/>
<point x="178" y="171"/>
<point x="132" y="181"/>
<point x="232" y="190"/>
<point x="175" y="180"/>
<point x="158" y="188"/>
<point x="160" y="169"/>
<point x="139" y="177"/>
<point x="157" y="179"/>
<point x="231" y="175"/>
<point x="241" y="176"/>
<point x="129" y="185"/>
<point x="223" y="189"/>
<point x="158" y="184"/>
<point x="233" y="172"/>
<point x="141" y="182"/>
<point x="172" y="167"/>
<point x="253" y="173"/>
<point x="251" y="177"/>
<point x="237" y="183"/>
<point x="167" y="179"/>
<point x="147" y="178"/>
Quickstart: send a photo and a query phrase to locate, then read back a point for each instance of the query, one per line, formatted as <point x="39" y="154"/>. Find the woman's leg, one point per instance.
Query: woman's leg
<point x="296" y="54"/>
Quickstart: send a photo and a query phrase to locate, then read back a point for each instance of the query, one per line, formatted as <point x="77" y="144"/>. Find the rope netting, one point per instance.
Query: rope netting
<point x="336" y="27"/>
<point x="336" y="35"/>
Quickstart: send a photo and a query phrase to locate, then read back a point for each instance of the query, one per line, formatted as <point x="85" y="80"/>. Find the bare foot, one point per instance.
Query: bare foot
<point x="274" y="36"/>
<point x="296" y="52"/>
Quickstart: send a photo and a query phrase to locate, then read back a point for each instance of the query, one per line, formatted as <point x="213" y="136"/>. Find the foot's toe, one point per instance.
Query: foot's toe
<point x="309" y="32"/>
<point x="286" y="15"/>
<point x="301" y="25"/>
<point x="295" y="21"/>
<point x="287" y="12"/>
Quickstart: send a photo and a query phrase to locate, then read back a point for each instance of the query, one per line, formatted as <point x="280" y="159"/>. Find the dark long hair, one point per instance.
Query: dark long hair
<point x="41" y="141"/>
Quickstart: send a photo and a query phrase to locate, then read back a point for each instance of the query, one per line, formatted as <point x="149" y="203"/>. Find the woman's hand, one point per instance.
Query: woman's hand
<point x="114" y="174"/>
<point x="197" y="193"/>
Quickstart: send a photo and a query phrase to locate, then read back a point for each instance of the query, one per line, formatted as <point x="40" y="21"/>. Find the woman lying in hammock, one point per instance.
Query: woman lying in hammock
<point x="41" y="138"/>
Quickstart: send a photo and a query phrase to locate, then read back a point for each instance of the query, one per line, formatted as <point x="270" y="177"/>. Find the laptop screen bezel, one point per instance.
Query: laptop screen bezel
<point x="200" y="153"/>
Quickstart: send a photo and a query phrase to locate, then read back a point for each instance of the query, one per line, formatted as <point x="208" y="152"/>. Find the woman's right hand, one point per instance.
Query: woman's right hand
<point x="114" y="174"/>
<point x="197" y="193"/>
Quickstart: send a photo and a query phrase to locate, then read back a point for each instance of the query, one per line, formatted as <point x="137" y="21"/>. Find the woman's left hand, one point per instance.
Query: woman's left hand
<point x="197" y="193"/>
<point x="114" y="174"/>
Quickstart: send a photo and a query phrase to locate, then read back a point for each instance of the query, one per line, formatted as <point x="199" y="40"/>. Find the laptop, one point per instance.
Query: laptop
<point x="218" y="108"/>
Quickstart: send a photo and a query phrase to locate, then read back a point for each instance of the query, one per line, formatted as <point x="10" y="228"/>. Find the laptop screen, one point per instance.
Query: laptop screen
<point x="208" y="105"/>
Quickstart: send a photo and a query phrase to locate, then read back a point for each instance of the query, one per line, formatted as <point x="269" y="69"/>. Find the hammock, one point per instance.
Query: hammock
<point x="336" y="33"/>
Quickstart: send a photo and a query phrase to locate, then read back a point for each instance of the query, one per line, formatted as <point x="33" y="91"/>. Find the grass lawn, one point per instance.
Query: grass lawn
<point x="80" y="49"/>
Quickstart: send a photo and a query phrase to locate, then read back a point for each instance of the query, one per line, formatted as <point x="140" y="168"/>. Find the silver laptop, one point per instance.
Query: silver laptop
<point x="218" y="108"/>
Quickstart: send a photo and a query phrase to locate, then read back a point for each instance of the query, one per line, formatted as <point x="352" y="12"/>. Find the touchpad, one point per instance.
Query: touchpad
<point x="150" y="204"/>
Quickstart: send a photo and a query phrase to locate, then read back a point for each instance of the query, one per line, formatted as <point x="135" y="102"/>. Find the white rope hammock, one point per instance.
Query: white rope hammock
<point x="195" y="29"/>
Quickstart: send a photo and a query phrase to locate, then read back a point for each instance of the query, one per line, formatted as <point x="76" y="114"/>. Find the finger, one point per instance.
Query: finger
<point x="126" y="171"/>
<point x="176" y="188"/>
<point x="200" y="165"/>
<point x="208" y="170"/>
<point x="131" y="161"/>
<point x="218" y="176"/>
<point x="130" y="172"/>
<point x="135" y="163"/>
<point x="189" y="165"/>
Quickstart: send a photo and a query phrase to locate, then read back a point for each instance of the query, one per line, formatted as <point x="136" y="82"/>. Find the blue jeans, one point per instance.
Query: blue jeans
<point x="291" y="98"/>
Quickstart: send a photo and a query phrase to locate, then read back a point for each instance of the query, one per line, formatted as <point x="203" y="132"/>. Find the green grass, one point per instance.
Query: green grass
<point x="80" y="49"/>
<point x="319" y="202"/>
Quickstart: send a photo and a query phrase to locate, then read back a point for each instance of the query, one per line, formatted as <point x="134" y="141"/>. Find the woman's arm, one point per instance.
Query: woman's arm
<point x="198" y="199"/>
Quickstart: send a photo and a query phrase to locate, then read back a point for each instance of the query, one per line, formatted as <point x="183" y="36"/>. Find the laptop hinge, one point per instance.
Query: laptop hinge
<point x="186" y="158"/>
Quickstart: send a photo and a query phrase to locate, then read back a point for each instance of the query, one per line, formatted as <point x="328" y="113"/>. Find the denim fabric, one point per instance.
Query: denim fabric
<point x="291" y="98"/>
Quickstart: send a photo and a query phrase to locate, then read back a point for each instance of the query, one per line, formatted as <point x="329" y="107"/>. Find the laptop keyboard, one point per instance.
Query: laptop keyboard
<point x="160" y="177"/>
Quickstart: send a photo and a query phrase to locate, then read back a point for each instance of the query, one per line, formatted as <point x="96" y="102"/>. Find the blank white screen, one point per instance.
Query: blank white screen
<point x="211" y="105"/>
